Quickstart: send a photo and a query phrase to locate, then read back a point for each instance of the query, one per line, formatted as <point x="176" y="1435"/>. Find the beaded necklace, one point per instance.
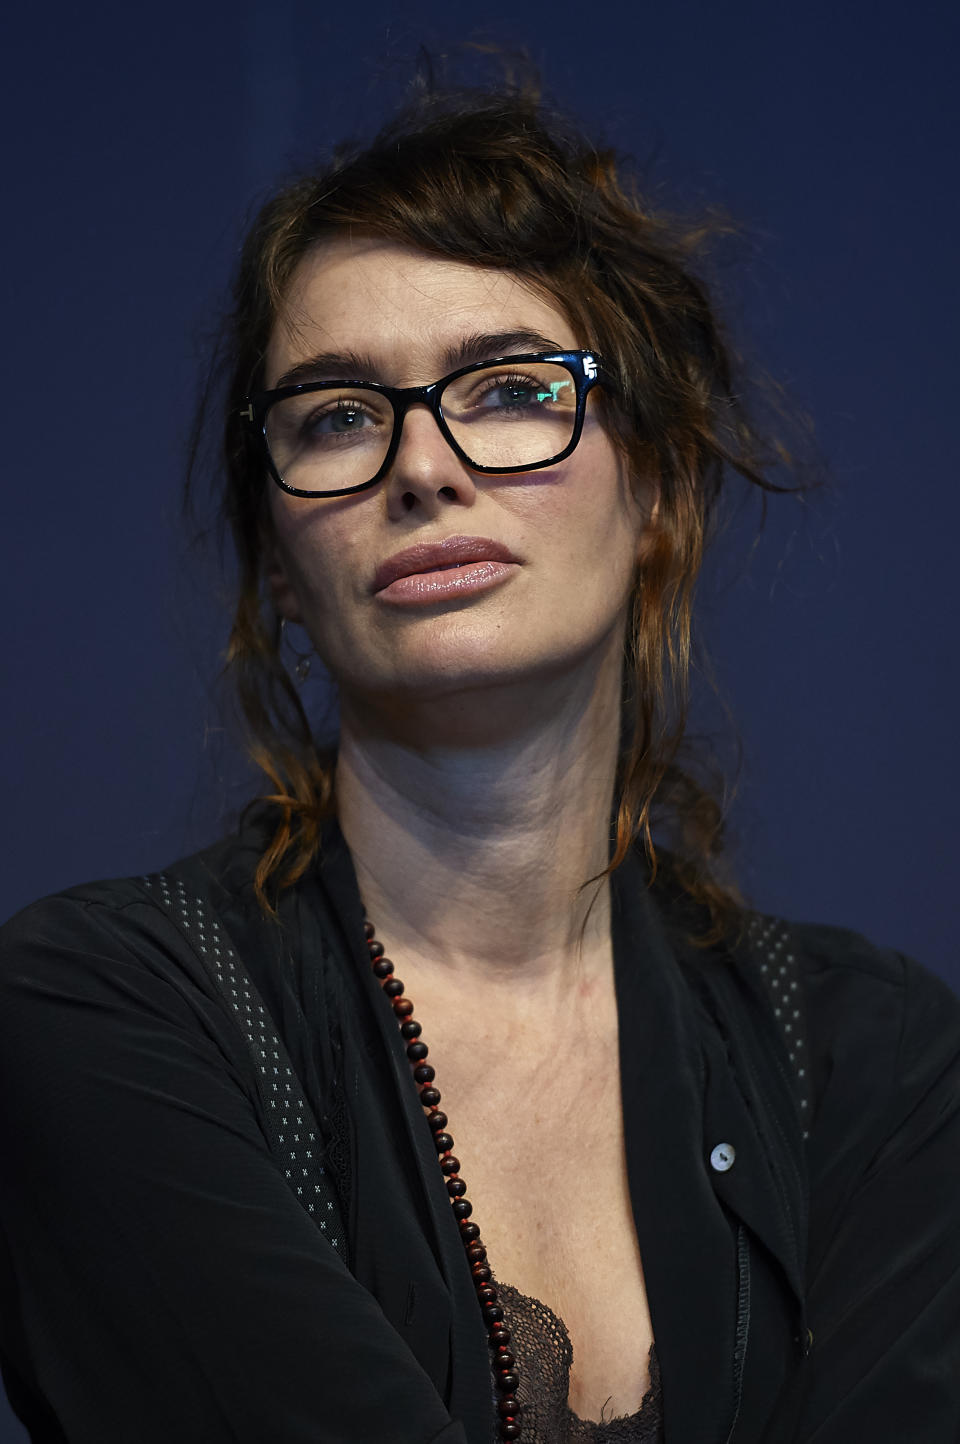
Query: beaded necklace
<point x="506" y="1374"/>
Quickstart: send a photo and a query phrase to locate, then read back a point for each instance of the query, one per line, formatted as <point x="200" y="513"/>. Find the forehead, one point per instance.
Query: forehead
<point x="402" y="306"/>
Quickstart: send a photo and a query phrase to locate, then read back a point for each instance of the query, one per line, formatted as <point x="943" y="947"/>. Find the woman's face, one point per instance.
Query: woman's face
<point x="568" y="536"/>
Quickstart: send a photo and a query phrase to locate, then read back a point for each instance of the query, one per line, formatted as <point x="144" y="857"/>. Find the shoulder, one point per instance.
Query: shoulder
<point x="847" y="994"/>
<point x="119" y="907"/>
<point x="848" y="984"/>
<point x="125" y="906"/>
<point x="859" y="997"/>
<point x="113" y="917"/>
<point x="882" y="1159"/>
<point x="876" y="1035"/>
<point x="864" y="1031"/>
<point x="115" y="942"/>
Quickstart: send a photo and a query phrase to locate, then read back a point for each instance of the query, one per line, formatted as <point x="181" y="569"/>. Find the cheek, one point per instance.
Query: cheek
<point x="313" y="543"/>
<point x="605" y="517"/>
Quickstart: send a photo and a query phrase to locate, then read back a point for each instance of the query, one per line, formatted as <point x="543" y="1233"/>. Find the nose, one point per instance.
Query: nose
<point x="426" y="472"/>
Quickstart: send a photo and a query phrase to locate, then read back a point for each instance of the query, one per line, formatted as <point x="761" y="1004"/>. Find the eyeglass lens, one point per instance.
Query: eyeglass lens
<point x="502" y="416"/>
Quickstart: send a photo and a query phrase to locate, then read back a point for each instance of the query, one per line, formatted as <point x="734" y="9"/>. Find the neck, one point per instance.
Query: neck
<point x="472" y="852"/>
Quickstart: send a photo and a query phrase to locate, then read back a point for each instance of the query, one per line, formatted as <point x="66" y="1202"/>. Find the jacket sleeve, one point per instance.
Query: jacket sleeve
<point x="884" y="1263"/>
<point x="163" y="1283"/>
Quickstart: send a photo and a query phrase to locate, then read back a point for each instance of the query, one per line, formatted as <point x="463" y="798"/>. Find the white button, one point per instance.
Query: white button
<point x="722" y="1157"/>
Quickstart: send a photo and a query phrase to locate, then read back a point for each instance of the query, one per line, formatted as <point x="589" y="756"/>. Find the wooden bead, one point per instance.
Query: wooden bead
<point x="506" y="1374"/>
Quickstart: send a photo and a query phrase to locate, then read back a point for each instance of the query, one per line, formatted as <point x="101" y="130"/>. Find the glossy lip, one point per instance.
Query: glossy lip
<point x="435" y="557"/>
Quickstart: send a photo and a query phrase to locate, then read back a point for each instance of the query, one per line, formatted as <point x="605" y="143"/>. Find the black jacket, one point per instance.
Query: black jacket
<point x="163" y="1278"/>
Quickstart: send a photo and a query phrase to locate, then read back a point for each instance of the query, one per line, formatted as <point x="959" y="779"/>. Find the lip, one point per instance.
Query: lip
<point x="462" y="556"/>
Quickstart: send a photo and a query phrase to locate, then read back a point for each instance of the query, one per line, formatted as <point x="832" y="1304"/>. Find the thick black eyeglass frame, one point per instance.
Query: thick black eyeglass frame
<point x="586" y="368"/>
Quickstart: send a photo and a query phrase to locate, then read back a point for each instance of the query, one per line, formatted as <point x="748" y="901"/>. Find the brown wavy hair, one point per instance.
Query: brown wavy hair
<point x="494" y="177"/>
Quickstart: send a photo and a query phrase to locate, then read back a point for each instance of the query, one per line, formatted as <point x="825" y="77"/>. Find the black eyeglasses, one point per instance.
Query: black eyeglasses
<point x="515" y="413"/>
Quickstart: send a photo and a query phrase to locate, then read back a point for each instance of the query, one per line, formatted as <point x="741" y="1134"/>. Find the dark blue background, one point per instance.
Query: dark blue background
<point x="136" y="141"/>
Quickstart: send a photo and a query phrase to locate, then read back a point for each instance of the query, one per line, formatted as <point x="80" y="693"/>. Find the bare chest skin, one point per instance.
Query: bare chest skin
<point x="538" y="1128"/>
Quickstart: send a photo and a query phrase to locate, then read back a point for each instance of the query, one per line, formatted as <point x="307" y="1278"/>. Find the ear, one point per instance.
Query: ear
<point x="282" y="593"/>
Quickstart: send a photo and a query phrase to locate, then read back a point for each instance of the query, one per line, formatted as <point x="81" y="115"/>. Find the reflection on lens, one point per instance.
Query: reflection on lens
<point x="513" y="415"/>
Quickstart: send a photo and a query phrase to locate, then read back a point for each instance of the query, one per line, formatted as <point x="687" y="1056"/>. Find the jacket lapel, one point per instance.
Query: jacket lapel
<point x="748" y="1095"/>
<point x="686" y="1243"/>
<point x="699" y="1071"/>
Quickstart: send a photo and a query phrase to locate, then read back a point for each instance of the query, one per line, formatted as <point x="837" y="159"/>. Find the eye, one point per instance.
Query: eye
<point x="523" y="391"/>
<point x="333" y="418"/>
<point x="509" y="393"/>
<point x="341" y="419"/>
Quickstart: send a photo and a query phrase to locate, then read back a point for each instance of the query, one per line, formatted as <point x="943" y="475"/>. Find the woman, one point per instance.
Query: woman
<point x="432" y="1105"/>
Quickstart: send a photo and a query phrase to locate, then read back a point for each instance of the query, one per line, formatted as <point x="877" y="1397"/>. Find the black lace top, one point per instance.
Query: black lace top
<point x="545" y="1355"/>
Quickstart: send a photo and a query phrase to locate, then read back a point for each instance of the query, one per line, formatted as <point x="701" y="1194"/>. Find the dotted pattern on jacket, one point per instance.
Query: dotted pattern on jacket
<point x="293" y="1128"/>
<point x="780" y="972"/>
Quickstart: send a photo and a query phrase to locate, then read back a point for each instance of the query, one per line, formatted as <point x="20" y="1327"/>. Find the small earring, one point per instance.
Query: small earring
<point x="304" y="659"/>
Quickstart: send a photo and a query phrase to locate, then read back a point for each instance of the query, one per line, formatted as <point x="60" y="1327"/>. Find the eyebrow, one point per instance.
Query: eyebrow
<point x="360" y="366"/>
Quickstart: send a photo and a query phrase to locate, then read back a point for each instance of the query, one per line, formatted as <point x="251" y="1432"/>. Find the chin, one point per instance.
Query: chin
<point x="458" y="654"/>
<point x="491" y="677"/>
<point x="432" y="679"/>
